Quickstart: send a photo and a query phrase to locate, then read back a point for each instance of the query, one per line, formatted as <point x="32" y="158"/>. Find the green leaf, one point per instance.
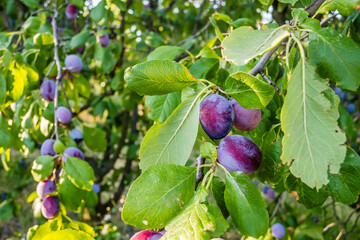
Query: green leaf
<point x="81" y="226"/>
<point x="105" y="59"/>
<point x="243" y="44"/>
<point x="98" y="12"/>
<point x="204" y="67"/>
<point x="6" y="211"/>
<point x="246" y="205"/>
<point x="271" y="168"/>
<point x="18" y="85"/>
<point x="40" y="232"/>
<point x="265" y="2"/>
<point x="42" y="167"/>
<point x="71" y="196"/>
<point x="208" y="150"/>
<point x="77" y="3"/>
<point x="41" y="39"/>
<point x="157" y="195"/>
<point x="220" y="222"/>
<point x="68" y="234"/>
<point x="5" y="134"/>
<point x="309" y="197"/>
<point x="223" y="17"/>
<point x="345" y="186"/>
<point x="344" y="7"/>
<point x="299" y="15"/>
<point x="249" y="91"/>
<point x="95" y="139"/>
<point x="217" y="189"/>
<point x="171" y="142"/>
<point x="79" y="39"/>
<point x="79" y="173"/>
<point x="165" y="53"/>
<point x="336" y="57"/>
<point x="31" y="3"/>
<point x="83" y="85"/>
<point x="162" y="105"/>
<point x="194" y="222"/>
<point x="158" y="77"/>
<point x="312" y="139"/>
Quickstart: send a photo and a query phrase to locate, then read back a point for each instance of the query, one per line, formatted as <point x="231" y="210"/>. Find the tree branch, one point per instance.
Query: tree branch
<point x="194" y="35"/>
<point x="313" y="7"/>
<point x="58" y="65"/>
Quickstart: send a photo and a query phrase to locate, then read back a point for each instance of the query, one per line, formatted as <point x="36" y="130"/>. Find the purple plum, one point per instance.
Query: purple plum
<point x="76" y="135"/>
<point x="238" y="153"/>
<point x="216" y="116"/>
<point x="104" y="40"/>
<point x="245" y="119"/>
<point x="73" y="63"/>
<point x="47" y="148"/>
<point x="270" y="193"/>
<point x="96" y="188"/>
<point x="63" y="115"/>
<point x="73" y="152"/>
<point x="147" y="235"/>
<point x="71" y="11"/>
<point x="278" y="230"/>
<point x="50" y="207"/>
<point x="45" y="187"/>
<point x="47" y="90"/>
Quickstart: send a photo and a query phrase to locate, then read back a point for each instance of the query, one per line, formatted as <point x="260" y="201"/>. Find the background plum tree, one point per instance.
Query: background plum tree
<point x="177" y="54"/>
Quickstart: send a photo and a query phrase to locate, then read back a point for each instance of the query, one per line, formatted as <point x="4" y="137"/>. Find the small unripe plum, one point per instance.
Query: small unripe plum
<point x="270" y="193"/>
<point x="351" y="108"/>
<point x="216" y="116"/>
<point x="73" y="63"/>
<point x="96" y="188"/>
<point x="63" y="115"/>
<point x="47" y="90"/>
<point x="50" y="207"/>
<point x="76" y="135"/>
<point x="245" y="119"/>
<point x="73" y="152"/>
<point x="45" y="187"/>
<point x="71" y="11"/>
<point x="238" y="153"/>
<point x="104" y="40"/>
<point x="278" y="230"/>
<point x="147" y="235"/>
<point x="47" y="148"/>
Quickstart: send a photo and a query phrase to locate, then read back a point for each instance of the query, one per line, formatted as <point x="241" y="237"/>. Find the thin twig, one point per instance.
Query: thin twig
<point x="195" y="35"/>
<point x="276" y="207"/>
<point x="58" y="64"/>
<point x="262" y="62"/>
<point x="262" y="73"/>
<point x="313" y="7"/>
<point x="66" y="98"/>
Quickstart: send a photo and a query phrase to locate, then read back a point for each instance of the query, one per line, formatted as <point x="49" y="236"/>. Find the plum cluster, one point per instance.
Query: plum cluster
<point x="235" y="152"/>
<point x="50" y="204"/>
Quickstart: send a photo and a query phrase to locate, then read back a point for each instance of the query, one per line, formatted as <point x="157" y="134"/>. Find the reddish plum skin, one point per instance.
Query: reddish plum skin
<point x="45" y="187"/>
<point x="245" y="119"/>
<point x="147" y="235"/>
<point x="73" y="152"/>
<point x="71" y="11"/>
<point x="73" y="63"/>
<point x="47" y="148"/>
<point x="216" y="116"/>
<point x="238" y="153"/>
<point x="47" y="90"/>
<point x="104" y="40"/>
<point x="63" y="115"/>
<point x="50" y="207"/>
